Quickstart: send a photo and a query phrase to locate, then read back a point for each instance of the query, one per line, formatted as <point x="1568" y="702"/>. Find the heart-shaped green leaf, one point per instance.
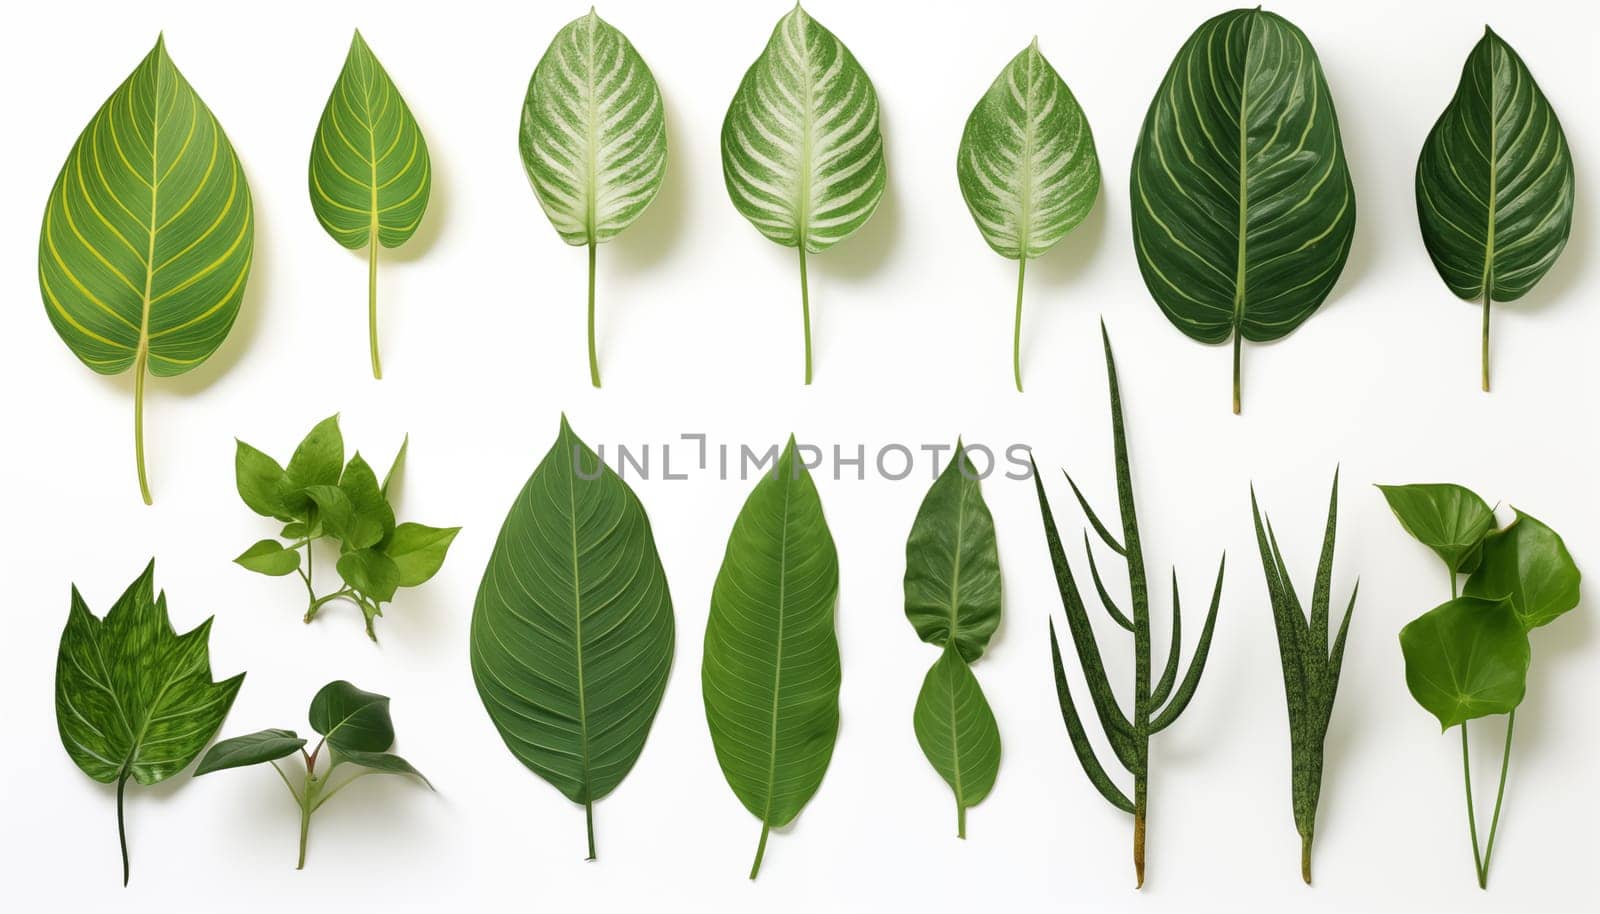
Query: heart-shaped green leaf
<point x="251" y="749"/>
<point x="1528" y="564"/>
<point x="318" y="458"/>
<point x="270" y="558"/>
<point x="370" y="174"/>
<point x="371" y="520"/>
<point x="418" y="551"/>
<point x="952" y="581"/>
<point x="957" y="732"/>
<point x="1027" y="166"/>
<point x="133" y="698"/>
<point x="352" y="720"/>
<point x="770" y="674"/>
<point x="372" y="573"/>
<point x="593" y="139"/>
<point x="1447" y="518"/>
<point x="147" y="236"/>
<point x="1243" y="210"/>
<point x="1465" y="659"/>
<point x="572" y="632"/>
<point x="1495" y="183"/>
<point x="802" y="155"/>
<point x="261" y="482"/>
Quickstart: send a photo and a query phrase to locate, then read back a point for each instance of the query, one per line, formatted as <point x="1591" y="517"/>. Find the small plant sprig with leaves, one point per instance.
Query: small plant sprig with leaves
<point x="356" y="732"/>
<point x="320" y="496"/>
<point x="1154" y="709"/>
<point x="1468" y="657"/>
<point x="1310" y="667"/>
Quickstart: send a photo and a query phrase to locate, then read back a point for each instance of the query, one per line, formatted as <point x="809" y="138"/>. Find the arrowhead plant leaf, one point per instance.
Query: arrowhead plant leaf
<point x="572" y="632"/>
<point x="1242" y="235"/>
<point x="134" y="699"/>
<point x="802" y="155"/>
<point x="370" y="175"/>
<point x="147" y="236"/>
<point x="593" y="139"/>
<point x="1027" y="167"/>
<point x="770" y="673"/>
<point x="1495" y="183"/>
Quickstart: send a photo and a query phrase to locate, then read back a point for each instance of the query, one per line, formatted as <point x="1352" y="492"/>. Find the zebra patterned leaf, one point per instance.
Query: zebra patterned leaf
<point x="770" y="674"/>
<point x="1027" y="167"/>
<point x="1243" y="209"/>
<point x="957" y="732"/>
<point x="148" y="235"/>
<point x="802" y="155"/>
<point x="369" y="175"/>
<point x="572" y="632"/>
<point x="593" y="139"/>
<point x="134" y="699"/>
<point x="1495" y="183"/>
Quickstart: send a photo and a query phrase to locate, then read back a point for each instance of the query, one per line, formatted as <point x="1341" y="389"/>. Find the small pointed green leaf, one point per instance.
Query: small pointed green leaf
<point x="395" y="467"/>
<point x="352" y="720"/>
<point x="382" y="762"/>
<point x="270" y="558"/>
<point x="418" y="551"/>
<point x="371" y="520"/>
<point x="251" y="749"/>
<point x="317" y="461"/>
<point x="957" y="732"/>
<point x="261" y="482"/>
<point x="1466" y="658"/>
<point x="952" y="580"/>
<point x="371" y="572"/>
<point x="332" y="506"/>
<point x="1528" y="564"/>
<point x="1447" y="518"/>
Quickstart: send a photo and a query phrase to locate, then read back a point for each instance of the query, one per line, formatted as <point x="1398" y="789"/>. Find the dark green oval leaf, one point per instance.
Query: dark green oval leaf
<point x="957" y="732"/>
<point x="352" y="720"/>
<point x="1447" y="518"/>
<point x="251" y="749"/>
<point x="572" y="632"/>
<point x="770" y="675"/>
<point x="1528" y="564"/>
<point x="1465" y="659"/>
<point x="1243" y="210"/>
<point x="952" y="581"/>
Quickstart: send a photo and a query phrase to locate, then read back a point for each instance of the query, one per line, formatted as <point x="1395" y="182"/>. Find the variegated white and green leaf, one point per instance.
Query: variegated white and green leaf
<point x="802" y="154"/>
<point x="1495" y="183"/>
<point x="370" y="175"/>
<point x="593" y="138"/>
<point x="1027" y="167"/>
<point x="148" y="235"/>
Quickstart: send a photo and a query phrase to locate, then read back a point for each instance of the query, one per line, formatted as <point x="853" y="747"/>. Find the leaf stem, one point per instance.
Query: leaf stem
<point x="372" y="299"/>
<point x="1500" y="793"/>
<point x="1238" y="343"/>
<point x="594" y="362"/>
<point x="1472" y="819"/>
<point x="1487" y="294"/>
<point x="122" y="831"/>
<point x="761" y="848"/>
<point x="140" y="362"/>
<point x="1016" y="333"/>
<point x="305" y="826"/>
<point x="961" y="821"/>
<point x="1305" y="857"/>
<point x="588" y="824"/>
<point x="805" y="316"/>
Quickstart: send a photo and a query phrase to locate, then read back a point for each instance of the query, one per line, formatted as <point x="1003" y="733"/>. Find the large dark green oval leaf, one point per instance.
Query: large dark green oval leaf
<point x="572" y="633"/>
<point x="133" y="698"/>
<point x="1449" y="519"/>
<point x="1243" y="210"/>
<point x="370" y="173"/>
<point x="148" y="235"/>
<point x="957" y="732"/>
<point x="770" y="674"/>
<point x="1528" y="564"/>
<point x="952" y="581"/>
<point x="1465" y="659"/>
<point x="1495" y="183"/>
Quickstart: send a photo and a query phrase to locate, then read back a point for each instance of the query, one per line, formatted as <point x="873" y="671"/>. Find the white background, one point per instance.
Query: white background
<point x="482" y="319"/>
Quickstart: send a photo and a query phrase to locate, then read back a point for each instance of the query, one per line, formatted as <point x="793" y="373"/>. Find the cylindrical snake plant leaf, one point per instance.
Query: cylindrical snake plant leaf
<point x="957" y="732"/>
<point x="572" y="632"/>
<point x="770" y="674"/>
<point x="1243" y="210"/>
<point x="802" y="155"/>
<point x="370" y="174"/>
<point x="593" y="139"/>
<point x="1495" y="183"/>
<point x="1027" y="167"/>
<point x="147" y="236"/>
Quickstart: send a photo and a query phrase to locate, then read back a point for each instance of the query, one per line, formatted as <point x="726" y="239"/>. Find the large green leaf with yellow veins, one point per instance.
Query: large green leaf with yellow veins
<point x="572" y="632"/>
<point x="370" y="174"/>
<point x="593" y="139"/>
<point x="147" y="236"/>
<point x="1243" y="209"/>
<point x="1027" y="167"/>
<point x="1495" y="183"/>
<point x="135" y="700"/>
<point x="802" y="155"/>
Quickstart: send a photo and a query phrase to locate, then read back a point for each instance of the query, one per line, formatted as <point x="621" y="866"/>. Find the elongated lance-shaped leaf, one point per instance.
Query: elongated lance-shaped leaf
<point x="770" y="674"/>
<point x="1243" y="210"/>
<point x="370" y="173"/>
<point x="1310" y="674"/>
<point x="148" y="235"/>
<point x="134" y="699"/>
<point x="1495" y="183"/>
<point x="572" y="632"/>
<point x="593" y="139"/>
<point x="957" y="732"/>
<point x="802" y="155"/>
<point x="1027" y="167"/>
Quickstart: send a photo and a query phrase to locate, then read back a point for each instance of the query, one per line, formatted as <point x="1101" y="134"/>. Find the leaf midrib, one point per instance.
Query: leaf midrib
<point x="1025" y="184"/>
<point x="777" y="660"/>
<point x="593" y="178"/>
<point x="142" y="353"/>
<point x="1494" y="174"/>
<point x="1244" y="186"/>
<point x="577" y="623"/>
<point x="803" y="174"/>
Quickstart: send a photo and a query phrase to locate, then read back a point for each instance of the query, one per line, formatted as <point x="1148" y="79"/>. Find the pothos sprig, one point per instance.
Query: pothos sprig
<point x="320" y="496"/>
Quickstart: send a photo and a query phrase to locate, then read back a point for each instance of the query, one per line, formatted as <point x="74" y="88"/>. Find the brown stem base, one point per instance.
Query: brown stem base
<point x="1138" y="850"/>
